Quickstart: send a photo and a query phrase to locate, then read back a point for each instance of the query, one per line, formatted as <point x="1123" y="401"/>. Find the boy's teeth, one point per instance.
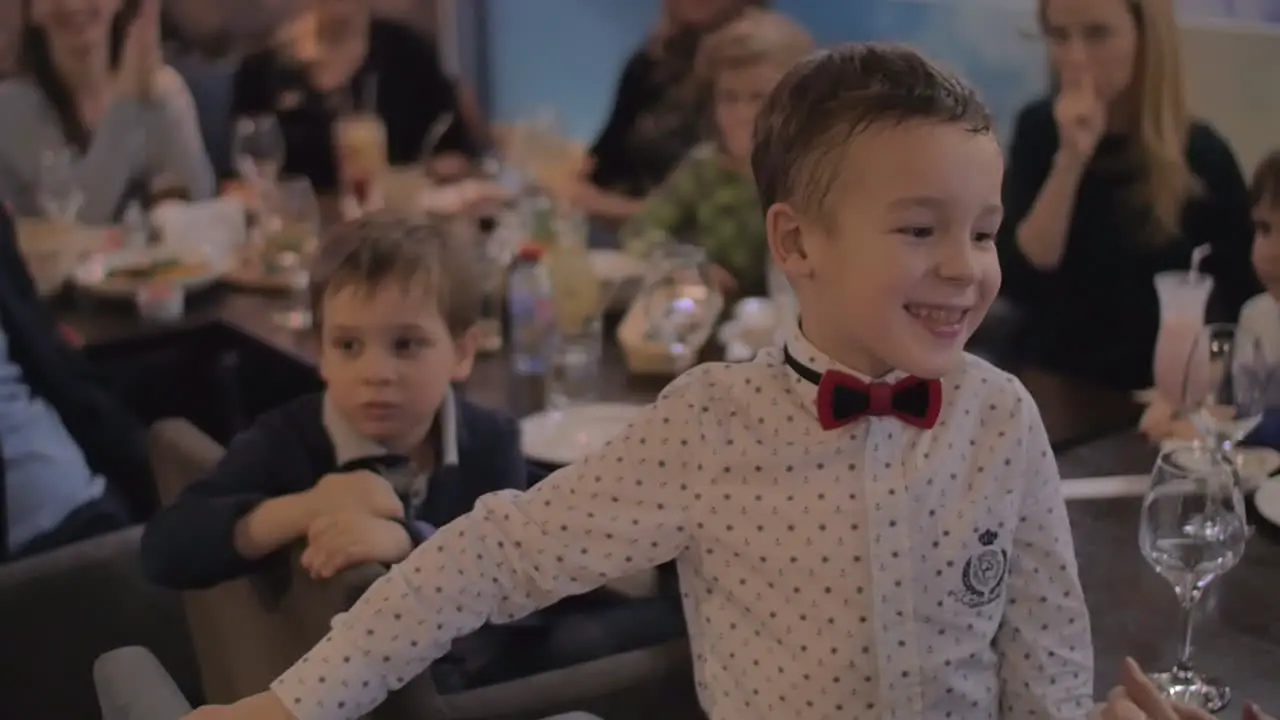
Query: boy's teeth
<point x="946" y="316"/>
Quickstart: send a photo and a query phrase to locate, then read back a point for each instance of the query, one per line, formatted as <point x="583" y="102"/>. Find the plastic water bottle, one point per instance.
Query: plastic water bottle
<point x="531" y="312"/>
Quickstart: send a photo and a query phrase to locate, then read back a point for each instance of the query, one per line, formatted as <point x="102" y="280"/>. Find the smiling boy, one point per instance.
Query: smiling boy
<point x="866" y="523"/>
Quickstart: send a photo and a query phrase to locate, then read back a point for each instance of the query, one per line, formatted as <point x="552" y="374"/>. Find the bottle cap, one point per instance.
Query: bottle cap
<point x="530" y="252"/>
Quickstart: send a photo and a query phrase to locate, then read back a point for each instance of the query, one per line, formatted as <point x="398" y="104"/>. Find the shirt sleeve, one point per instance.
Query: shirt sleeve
<point x="617" y="511"/>
<point x="666" y="210"/>
<point x="1044" y="641"/>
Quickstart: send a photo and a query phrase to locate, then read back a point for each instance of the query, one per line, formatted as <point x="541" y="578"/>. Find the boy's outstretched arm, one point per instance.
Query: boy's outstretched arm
<point x="616" y="512"/>
<point x="1044" y="643"/>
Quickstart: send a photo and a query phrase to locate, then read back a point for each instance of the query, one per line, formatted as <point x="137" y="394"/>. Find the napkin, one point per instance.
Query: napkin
<point x="216" y="226"/>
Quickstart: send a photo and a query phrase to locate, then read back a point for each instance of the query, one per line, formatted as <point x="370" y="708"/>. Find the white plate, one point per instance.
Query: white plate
<point x="1267" y="501"/>
<point x="562" y="437"/>
<point x="94" y="275"/>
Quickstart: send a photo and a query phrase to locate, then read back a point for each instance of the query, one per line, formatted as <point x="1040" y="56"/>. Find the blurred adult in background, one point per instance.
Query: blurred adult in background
<point x="1110" y="180"/>
<point x="710" y="198"/>
<point x="96" y="106"/>
<point x="10" y="37"/>
<point x="73" y="462"/>
<point x="658" y="113"/>
<point x="337" y="58"/>
<point x="201" y="47"/>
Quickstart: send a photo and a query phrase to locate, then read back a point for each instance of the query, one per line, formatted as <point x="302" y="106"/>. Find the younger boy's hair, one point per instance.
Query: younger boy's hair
<point x="417" y="253"/>
<point x="758" y="37"/>
<point x="1265" y="187"/>
<point x="827" y="100"/>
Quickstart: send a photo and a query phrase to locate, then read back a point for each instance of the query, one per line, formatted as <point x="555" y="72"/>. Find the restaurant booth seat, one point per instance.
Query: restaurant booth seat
<point x="61" y="609"/>
<point x="246" y="632"/>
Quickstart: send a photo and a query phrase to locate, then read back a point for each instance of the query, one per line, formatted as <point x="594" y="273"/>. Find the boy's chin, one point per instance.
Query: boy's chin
<point x="930" y="362"/>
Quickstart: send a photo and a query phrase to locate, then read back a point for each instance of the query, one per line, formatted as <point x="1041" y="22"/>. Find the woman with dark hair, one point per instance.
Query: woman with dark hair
<point x="337" y="57"/>
<point x="94" y="88"/>
<point x="658" y="114"/>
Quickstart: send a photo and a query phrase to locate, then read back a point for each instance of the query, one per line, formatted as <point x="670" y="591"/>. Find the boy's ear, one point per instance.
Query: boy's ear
<point x="784" y="229"/>
<point x="464" y="354"/>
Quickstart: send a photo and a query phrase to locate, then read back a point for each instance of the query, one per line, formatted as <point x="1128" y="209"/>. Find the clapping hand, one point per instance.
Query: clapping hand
<point x="141" y="57"/>
<point x="1080" y="114"/>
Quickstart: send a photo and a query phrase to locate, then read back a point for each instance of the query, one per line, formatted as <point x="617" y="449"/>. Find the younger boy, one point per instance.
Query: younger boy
<point x="868" y="523"/>
<point x="710" y="199"/>
<point x="366" y="470"/>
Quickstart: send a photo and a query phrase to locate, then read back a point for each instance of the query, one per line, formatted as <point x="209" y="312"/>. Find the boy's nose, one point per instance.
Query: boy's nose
<point x="958" y="263"/>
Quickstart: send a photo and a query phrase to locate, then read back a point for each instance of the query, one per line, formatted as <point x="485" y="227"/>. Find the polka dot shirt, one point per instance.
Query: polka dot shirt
<point x="876" y="570"/>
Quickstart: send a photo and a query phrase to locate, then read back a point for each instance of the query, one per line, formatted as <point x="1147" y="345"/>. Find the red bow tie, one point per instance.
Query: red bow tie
<point x="843" y="398"/>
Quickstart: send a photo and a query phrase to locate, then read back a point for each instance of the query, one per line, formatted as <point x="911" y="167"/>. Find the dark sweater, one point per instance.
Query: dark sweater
<point x="113" y="441"/>
<point x="1095" y="317"/>
<point x="412" y="92"/>
<point x="190" y="545"/>
<point x="630" y="159"/>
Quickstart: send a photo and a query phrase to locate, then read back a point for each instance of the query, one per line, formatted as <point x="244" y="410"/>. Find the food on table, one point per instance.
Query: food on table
<point x="168" y="269"/>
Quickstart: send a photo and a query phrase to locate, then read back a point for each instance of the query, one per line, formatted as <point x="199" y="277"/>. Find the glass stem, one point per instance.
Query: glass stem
<point x="1188" y="628"/>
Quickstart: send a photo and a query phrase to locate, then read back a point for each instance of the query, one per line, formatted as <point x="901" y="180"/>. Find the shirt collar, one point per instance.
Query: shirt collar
<point x="349" y="444"/>
<point x="810" y="356"/>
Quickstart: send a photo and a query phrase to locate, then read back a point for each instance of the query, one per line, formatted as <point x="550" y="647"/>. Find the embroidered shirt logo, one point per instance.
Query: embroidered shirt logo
<point x="982" y="580"/>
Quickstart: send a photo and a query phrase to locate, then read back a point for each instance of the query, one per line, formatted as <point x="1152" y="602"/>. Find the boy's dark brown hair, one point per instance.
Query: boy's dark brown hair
<point x="1265" y="187"/>
<point x="834" y="95"/>
<point x="418" y="253"/>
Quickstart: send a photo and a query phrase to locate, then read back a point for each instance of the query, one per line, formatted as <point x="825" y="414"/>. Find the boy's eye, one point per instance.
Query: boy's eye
<point x="1262" y="228"/>
<point x="919" y="232"/>
<point x="984" y="237"/>
<point x="349" y="346"/>
<point x="408" y="344"/>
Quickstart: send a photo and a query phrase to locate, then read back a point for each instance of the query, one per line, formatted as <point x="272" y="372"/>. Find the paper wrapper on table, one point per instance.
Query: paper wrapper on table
<point x="53" y="248"/>
<point x="647" y="354"/>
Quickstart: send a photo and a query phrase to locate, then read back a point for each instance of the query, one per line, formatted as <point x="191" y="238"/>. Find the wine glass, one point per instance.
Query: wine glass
<point x="678" y="294"/>
<point x="1192" y="530"/>
<point x="259" y="150"/>
<point x="59" y="193"/>
<point x="1227" y="381"/>
<point x="291" y="240"/>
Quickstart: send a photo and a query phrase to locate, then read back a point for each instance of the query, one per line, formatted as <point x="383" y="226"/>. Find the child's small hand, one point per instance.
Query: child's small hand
<point x="337" y="542"/>
<point x="359" y="491"/>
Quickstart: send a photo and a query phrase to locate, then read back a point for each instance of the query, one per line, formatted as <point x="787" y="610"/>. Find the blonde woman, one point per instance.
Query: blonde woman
<point x="710" y="198"/>
<point x="1110" y="181"/>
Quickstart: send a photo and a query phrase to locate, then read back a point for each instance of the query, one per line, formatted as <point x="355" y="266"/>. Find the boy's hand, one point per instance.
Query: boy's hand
<point x="337" y="542"/>
<point x="263" y="706"/>
<point x="360" y="491"/>
<point x="1137" y="698"/>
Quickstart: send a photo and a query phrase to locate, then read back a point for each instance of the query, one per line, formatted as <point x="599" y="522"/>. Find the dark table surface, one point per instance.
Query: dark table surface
<point x="1133" y="609"/>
